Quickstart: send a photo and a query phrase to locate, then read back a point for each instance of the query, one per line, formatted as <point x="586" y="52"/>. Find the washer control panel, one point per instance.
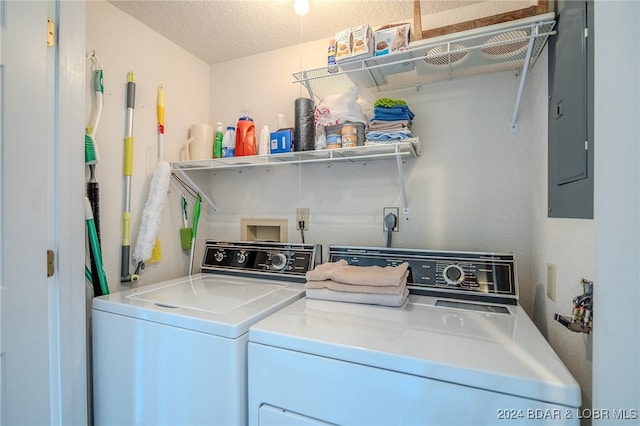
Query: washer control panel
<point x="283" y="261"/>
<point x="467" y="275"/>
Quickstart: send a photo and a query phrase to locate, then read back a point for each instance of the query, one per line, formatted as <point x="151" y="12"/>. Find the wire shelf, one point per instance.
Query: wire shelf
<point x="409" y="148"/>
<point x="490" y="49"/>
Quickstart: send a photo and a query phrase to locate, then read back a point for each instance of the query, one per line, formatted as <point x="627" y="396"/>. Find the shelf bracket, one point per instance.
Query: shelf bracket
<point x="195" y="186"/>
<point x="307" y="84"/>
<point x="523" y="76"/>
<point x="403" y="189"/>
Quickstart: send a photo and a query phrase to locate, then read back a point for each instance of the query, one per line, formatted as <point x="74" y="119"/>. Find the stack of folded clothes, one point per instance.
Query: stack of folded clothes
<point x="373" y="285"/>
<point x="391" y="121"/>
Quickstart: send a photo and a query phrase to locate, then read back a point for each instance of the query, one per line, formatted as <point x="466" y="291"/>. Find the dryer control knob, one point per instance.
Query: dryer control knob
<point x="218" y="256"/>
<point x="279" y="261"/>
<point x="241" y="257"/>
<point x="453" y="274"/>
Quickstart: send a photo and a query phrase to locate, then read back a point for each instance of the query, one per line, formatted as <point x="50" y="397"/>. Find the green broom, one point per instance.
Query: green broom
<point x="91" y="158"/>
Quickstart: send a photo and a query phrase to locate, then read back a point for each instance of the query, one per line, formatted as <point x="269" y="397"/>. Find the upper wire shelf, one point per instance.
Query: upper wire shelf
<point x="485" y="50"/>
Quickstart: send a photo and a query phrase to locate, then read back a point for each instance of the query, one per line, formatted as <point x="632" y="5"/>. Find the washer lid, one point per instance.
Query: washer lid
<point x="210" y="303"/>
<point x="481" y="348"/>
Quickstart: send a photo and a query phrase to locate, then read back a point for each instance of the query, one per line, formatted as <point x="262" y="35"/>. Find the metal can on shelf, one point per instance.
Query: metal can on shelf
<point x="348" y="128"/>
<point x="349" y="134"/>
<point x="334" y="141"/>
<point x="349" y="140"/>
<point x="354" y="133"/>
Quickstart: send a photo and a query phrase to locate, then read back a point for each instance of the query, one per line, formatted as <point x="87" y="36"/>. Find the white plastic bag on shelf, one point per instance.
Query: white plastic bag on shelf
<point x="321" y="138"/>
<point x="354" y="105"/>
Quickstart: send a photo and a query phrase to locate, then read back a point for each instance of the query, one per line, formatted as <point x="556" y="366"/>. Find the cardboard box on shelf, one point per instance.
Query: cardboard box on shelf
<point x="281" y="141"/>
<point x="392" y="38"/>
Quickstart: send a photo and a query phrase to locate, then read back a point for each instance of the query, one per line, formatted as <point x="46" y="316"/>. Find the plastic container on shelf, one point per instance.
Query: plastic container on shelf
<point x="217" y="143"/>
<point x="281" y="123"/>
<point x="245" y="136"/>
<point x="265" y="139"/>
<point x="331" y="56"/>
<point x="229" y="142"/>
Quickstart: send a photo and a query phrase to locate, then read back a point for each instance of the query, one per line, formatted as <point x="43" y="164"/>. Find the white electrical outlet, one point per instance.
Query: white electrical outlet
<point x="302" y="215"/>
<point x="551" y="281"/>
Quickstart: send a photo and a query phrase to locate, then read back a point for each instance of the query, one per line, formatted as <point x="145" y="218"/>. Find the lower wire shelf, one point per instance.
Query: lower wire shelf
<point x="409" y="148"/>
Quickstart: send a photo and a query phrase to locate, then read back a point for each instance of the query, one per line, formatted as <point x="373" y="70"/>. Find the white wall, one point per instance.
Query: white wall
<point x="262" y="84"/>
<point x="616" y="375"/>
<point x="123" y="44"/>
<point x="566" y="243"/>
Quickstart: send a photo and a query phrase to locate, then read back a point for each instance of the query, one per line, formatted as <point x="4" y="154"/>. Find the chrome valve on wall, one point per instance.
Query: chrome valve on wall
<point x="581" y="320"/>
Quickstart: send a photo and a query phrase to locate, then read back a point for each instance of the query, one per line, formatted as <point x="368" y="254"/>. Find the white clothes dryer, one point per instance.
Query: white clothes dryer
<point x="461" y="351"/>
<point x="175" y="352"/>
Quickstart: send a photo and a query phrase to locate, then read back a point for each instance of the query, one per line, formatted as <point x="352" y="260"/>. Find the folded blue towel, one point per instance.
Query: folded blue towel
<point x="401" y="112"/>
<point x="391" y="117"/>
<point x="397" y="135"/>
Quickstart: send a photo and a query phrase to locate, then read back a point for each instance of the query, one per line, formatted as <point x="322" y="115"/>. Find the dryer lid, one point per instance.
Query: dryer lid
<point x="496" y="351"/>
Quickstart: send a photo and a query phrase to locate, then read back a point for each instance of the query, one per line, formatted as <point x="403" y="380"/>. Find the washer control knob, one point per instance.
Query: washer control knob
<point x="279" y="261"/>
<point x="218" y="256"/>
<point x="241" y="257"/>
<point x="453" y="274"/>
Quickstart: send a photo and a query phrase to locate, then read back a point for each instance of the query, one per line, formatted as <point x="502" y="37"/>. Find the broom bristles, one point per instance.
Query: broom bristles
<point x="90" y="150"/>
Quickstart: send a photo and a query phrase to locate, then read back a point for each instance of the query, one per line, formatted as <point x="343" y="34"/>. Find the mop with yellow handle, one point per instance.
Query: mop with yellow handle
<point x="147" y="246"/>
<point x="128" y="171"/>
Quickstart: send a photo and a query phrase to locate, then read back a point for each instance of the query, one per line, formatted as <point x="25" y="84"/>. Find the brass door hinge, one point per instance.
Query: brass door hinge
<point x="50" y="268"/>
<point x="51" y="33"/>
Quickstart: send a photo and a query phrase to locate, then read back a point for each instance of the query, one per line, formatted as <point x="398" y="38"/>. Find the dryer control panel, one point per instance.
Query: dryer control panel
<point x="464" y="275"/>
<point x="270" y="260"/>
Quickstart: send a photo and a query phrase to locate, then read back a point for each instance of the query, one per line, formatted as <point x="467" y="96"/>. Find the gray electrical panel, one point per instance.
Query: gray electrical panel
<point x="570" y="167"/>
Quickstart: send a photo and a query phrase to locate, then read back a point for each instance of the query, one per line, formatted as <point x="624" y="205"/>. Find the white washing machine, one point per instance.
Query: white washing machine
<point x="175" y="352"/>
<point x="459" y="352"/>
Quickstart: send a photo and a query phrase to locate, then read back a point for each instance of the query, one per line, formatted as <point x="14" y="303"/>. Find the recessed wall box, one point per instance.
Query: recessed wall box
<point x="261" y="229"/>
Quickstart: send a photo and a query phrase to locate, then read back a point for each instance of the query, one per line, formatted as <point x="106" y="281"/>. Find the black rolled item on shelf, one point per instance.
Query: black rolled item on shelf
<point x="304" y="132"/>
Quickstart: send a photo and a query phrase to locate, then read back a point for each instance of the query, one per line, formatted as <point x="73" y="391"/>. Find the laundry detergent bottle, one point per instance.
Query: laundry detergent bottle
<point x="245" y="136"/>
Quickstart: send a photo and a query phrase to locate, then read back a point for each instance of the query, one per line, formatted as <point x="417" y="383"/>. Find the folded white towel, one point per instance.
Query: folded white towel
<point x="365" y="298"/>
<point x="350" y="288"/>
<point x="371" y="275"/>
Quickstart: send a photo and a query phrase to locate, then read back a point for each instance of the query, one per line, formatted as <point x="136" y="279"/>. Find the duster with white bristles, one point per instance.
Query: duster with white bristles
<point x="152" y="213"/>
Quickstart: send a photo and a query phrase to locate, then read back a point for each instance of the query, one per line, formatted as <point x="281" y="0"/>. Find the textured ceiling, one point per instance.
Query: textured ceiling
<point x="221" y="30"/>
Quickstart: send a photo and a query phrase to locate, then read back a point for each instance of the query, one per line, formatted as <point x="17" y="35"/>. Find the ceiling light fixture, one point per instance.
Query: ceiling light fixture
<point x="301" y="7"/>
